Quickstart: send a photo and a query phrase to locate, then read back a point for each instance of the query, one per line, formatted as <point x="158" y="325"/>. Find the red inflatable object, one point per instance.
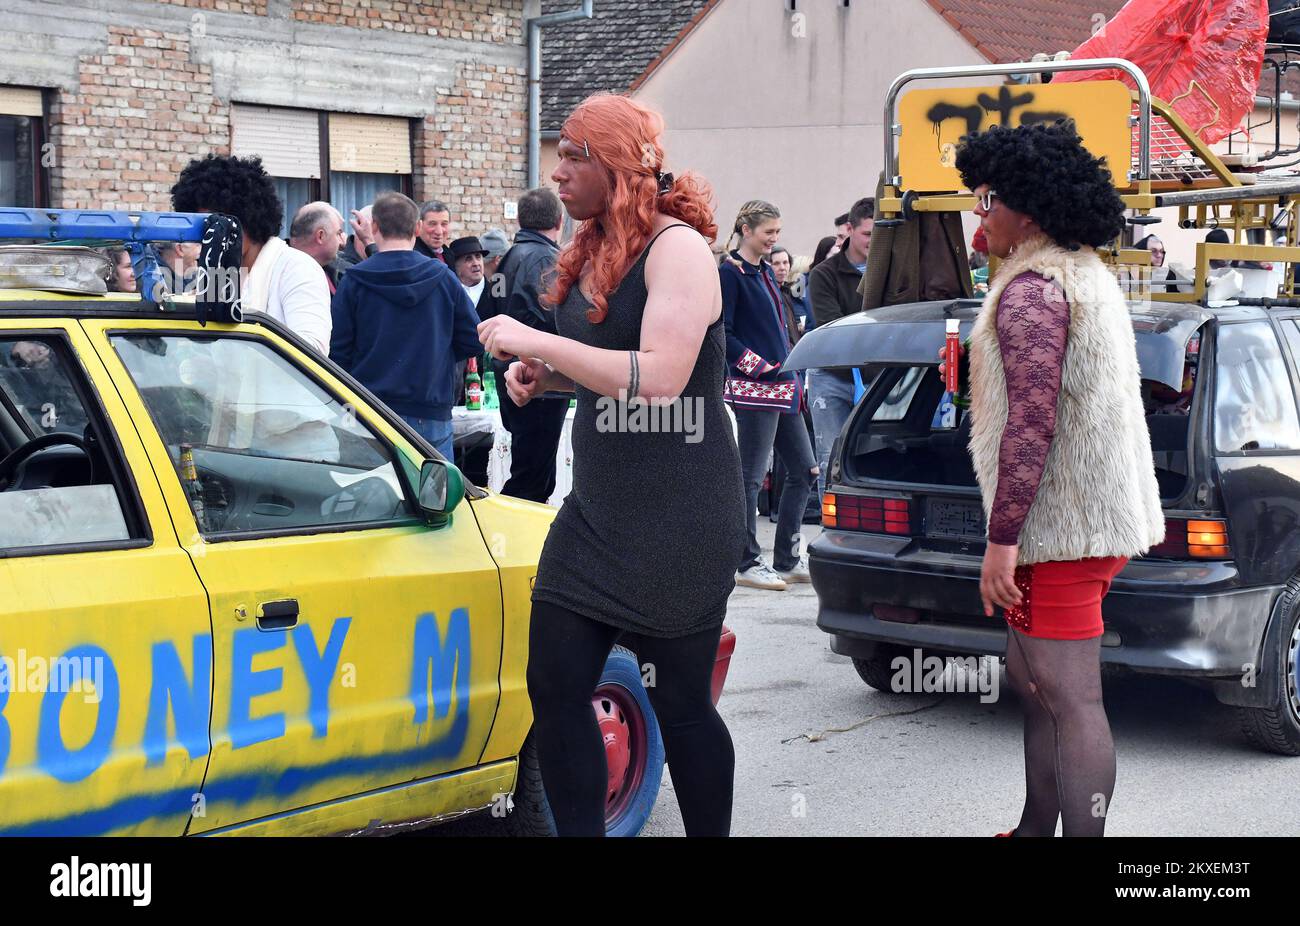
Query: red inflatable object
<point x="1203" y="57"/>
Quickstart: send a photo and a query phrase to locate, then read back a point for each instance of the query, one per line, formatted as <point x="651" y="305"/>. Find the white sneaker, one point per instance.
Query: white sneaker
<point x="798" y="574"/>
<point x="761" y="575"/>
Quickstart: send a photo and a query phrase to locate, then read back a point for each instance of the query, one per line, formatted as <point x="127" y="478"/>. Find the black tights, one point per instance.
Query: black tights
<point x="1069" y="753"/>
<point x="566" y="655"/>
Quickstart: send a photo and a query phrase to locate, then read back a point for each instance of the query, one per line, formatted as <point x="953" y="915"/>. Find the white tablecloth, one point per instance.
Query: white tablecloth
<point x="466" y="424"/>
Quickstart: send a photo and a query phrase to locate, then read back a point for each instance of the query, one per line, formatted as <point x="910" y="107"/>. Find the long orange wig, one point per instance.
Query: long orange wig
<point x="623" y="136"/>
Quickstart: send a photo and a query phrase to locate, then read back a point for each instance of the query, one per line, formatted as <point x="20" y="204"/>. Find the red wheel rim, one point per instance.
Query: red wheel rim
<point x="622" y="729"/>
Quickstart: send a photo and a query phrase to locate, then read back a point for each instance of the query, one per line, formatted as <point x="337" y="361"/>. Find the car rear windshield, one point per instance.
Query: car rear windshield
<point x="909" y="431"/>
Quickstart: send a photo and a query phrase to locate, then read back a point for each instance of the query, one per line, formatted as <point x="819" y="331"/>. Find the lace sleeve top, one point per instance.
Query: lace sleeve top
<point x="1033" y="322"/>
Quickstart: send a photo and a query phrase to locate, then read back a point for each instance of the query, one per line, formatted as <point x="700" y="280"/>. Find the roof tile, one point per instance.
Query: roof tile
<point x="1016" y="30"/>
<point x="610" y="51"/>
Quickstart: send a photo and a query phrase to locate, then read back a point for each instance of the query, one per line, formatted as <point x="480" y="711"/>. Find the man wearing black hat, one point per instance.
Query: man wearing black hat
<point x="465" y="255"/>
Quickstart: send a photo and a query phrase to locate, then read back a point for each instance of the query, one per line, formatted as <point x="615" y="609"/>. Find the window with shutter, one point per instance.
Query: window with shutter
<point x="367" y="155"/>
<point x="21" y="146"/>
<point x="288" y="142"/>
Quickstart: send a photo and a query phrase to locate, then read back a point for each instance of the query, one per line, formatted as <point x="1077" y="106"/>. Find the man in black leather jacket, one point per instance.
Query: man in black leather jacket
<point x="516" y="290"/>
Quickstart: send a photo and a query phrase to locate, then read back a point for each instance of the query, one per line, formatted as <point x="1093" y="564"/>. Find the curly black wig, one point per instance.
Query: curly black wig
<point x="1044" y="171"/>
<point x="235" y="186"/>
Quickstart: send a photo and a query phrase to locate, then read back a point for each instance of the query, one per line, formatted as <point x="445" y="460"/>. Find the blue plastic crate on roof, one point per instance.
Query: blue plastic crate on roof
<point x="64" y="225"/>
<point x="54" y="250"/>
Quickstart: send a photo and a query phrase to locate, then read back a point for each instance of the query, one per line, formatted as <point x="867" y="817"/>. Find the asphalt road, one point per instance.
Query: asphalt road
<point x="818" y="753"/>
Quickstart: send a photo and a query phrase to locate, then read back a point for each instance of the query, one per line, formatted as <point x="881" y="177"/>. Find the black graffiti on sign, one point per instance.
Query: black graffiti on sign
<point x="1004" y="104"/>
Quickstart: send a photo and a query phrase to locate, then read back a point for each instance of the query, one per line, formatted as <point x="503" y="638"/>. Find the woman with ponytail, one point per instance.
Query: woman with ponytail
<point x="767" y="399"/>
<point x="644" y="549"/>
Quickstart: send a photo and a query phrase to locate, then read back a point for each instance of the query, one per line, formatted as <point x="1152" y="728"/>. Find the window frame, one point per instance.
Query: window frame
<point x="321" y="186"/>
<point x="40" y="173"/>
<point x="124" y="482"/>
<point x="415" y="516"/>
<point x="1284" y="349"/>
<point x="407" y="180"/>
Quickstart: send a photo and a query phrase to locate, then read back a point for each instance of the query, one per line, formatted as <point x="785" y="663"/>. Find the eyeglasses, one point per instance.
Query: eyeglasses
<point x="986" y="200"/>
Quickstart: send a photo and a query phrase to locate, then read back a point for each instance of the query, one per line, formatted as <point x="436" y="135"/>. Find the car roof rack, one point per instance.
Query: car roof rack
<point x="1166" y="164"/>
<point x="53" y="253"/>
<point x="76" y="225"/>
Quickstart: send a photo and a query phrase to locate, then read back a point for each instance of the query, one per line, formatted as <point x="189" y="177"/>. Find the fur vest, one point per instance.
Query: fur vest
<point x="1098" y="495"/>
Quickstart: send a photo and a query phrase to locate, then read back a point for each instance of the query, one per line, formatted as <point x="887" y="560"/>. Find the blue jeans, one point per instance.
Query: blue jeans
<point x="761" y="432"/>
<point x="830" y="399"/>
<point x="435" y="432"/>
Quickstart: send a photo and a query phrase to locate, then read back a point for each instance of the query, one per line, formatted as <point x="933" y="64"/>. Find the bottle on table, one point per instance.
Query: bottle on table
<point x="490" y="400"/>
<point x="473" y="387"/>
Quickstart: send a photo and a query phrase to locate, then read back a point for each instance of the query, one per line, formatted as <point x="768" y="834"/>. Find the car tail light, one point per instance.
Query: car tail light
<point x="1194" y="539"/>
<point x="896" y="614"/>
<point x="876" y="514"/>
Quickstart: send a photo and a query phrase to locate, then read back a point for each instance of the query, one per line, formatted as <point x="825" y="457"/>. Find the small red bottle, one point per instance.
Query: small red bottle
<point x="952" y="357"/>
<point x="473" y="387"/>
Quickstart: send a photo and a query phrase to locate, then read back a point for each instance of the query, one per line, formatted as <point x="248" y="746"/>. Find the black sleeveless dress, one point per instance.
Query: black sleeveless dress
<point x="649" y="537"/>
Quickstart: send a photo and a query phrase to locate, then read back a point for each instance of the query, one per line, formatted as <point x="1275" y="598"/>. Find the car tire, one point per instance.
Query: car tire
<point x="877" y="670"/>
<point x="1276" y="728"/>
<point x="530" y="813"/>
<point x="634" y="749"/>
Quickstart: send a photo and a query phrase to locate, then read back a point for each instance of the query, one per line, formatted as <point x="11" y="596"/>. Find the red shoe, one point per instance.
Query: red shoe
<point x="1007" y="833"/>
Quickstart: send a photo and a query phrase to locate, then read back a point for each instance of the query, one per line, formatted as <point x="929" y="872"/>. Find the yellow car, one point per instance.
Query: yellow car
<point x="241" y="596"/>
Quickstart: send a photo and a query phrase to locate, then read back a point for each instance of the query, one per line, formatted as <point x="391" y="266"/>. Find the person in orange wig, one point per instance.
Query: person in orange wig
<point x="644" y="549"/>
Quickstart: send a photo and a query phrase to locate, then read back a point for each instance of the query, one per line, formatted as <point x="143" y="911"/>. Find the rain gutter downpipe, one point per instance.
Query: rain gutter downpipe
<point x="535" y="27"/>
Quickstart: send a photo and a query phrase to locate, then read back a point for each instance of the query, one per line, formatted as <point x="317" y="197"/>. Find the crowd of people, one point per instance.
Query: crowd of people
<point x="392" y="290"/>
<point x="390" y="294"/>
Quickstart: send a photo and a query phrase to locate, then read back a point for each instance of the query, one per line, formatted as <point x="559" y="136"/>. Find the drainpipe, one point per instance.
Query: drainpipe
<point x="535" y="27"/>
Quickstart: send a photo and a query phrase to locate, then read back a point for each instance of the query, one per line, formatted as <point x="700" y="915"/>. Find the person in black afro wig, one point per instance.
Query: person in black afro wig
<point x="1045" y="172"/>
<point x="234" y="186"/>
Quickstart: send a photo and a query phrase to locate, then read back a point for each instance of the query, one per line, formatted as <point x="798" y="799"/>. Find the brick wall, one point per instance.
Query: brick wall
<point x="472" y="20"/>
<point x="142" y="110"/>
<point x="143" y="107"/>
<point x="473" y="151"/>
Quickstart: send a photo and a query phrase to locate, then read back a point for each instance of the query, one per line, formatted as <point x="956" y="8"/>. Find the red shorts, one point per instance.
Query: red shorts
<point x="1062" y="600"/>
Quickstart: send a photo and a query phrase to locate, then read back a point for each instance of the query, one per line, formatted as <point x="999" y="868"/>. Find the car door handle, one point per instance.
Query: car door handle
<point x="278" y="615"/>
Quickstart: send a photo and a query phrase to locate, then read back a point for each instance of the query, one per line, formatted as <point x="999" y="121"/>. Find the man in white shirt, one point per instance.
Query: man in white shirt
<point x="317" y="231"/>
<point x="284" y="283"/>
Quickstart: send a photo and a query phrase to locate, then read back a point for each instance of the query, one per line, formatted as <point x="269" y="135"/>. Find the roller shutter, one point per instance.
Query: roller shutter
<point x="369" y="144"/>
<point x="287" y="140"/>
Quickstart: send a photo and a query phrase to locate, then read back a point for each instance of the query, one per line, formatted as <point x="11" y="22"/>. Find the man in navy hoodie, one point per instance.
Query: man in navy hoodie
<point x="402" y="322"/>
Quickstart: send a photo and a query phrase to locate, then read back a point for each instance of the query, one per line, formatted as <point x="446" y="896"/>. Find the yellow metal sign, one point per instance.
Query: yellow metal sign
<point x="934" y="120"/>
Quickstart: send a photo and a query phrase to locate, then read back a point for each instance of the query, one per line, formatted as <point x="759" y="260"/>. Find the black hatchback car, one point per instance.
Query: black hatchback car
<point x="897" y="566"/>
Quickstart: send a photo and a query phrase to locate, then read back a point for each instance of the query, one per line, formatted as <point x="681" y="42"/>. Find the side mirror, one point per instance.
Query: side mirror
<point x="441" y="488"/>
